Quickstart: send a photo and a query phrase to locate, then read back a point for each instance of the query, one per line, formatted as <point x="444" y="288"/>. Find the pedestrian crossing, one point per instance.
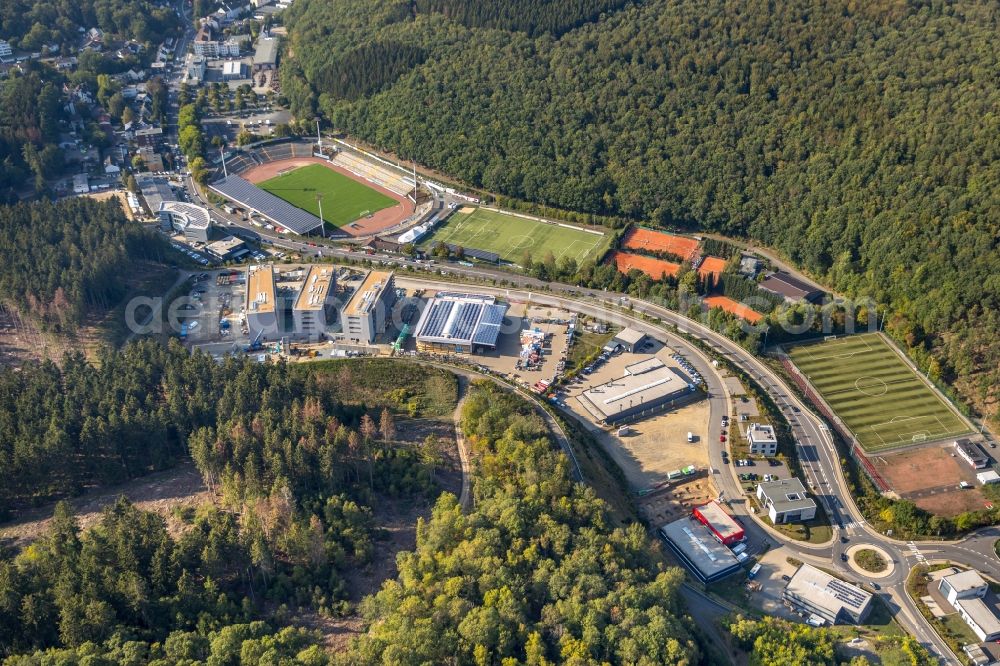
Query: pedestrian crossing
<point x="915" y="552"/>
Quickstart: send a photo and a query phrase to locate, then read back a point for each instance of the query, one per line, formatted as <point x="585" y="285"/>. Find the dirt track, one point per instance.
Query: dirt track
<point x="376" y="222"/>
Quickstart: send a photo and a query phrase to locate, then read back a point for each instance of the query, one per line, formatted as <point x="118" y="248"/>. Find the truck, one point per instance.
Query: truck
<point x="754" y="571"/>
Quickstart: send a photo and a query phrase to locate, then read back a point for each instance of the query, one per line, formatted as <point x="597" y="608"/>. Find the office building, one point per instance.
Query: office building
<point x="264" y="316"/>
<point x="314" y="308"/>
<point x="785" y="501"/>
<point x="367" y="312"/>
<point x="188" y="219"/>
<point x="762" y="440"/>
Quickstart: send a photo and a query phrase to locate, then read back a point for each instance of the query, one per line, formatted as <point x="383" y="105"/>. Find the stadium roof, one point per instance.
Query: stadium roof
<point x="461" y="319"/>
<point x="275" y="209"/>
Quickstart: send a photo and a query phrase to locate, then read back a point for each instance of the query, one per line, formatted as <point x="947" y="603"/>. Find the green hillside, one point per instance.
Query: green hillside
<point x="858" y="139"/>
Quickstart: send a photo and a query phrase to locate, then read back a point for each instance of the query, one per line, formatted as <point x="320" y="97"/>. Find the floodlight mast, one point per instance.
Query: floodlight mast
<point x="319" y="202"/>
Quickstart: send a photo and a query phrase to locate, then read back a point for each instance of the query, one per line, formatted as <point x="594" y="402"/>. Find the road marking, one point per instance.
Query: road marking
<point x="915" y="551"/>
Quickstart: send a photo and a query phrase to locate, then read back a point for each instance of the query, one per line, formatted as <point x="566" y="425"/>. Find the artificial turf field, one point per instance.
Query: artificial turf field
<point x="877" y="395"/>
<point x="344" y="200"/>
<point x="510" y="236"/>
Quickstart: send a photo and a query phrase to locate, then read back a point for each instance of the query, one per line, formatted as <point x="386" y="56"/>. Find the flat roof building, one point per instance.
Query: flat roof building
<point x="314" y="307"/>
<point x="229" y="248"/>
<point x="263" y="313"/>
<point x="460" y="323"/>
<point x="367" y="312"/>
<point x="721" y="524"/>
<point x="981" y="614"/>
<point x="963" y="585"/>
<point x="790" y="288"/>
<point x="785" y="501"/>
<point x="154" y="190"/>
<point x="762" y="440"/>
<point x="266" y="55"/>
<point x="703" y="555"/>
<point x="637" y="394"/>
<point x="185" y="218"/>
<point x="971" y="453"/>
<point x="629" y="338"/>
<point x="829" y="598"/>
<point x="988" y="477"/>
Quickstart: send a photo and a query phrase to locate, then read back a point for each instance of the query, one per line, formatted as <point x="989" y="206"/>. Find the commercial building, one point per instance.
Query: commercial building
<point x="366" y="314"/>
<point x="981" y="614"/>
<point x="785" y="501"/>
<point x="988" y="477"/>
<point x="971" y="453"/>
<point x="194" y="69"/>
<point x="649" y="387"/>
<point x="703" y="555"/>
<point x="265" y="58"/>
<point x="262" y="311"/>
<point x="790" y="288"/>
<point x="982" y="654"/>
<point x="762" y="440"/>
<point x="154" y="190"/>
<point x="629" y="338"/>
<point x="5" y="50"/>
<point x="233" y="70"/>
<point x="457" y="323"/>
<point x="721" y="524"/>
<point x="830" y="599"/>
<point x="314" y="306"/>
<point x="188" y="219"/>
<point x="229" y="248"/>
<point x="963" y="585"/>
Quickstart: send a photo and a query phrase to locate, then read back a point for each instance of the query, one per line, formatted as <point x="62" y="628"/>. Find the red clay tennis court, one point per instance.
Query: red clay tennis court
<point x="654" y="268"/>
<point x="658" y="241"/>
<point x="731" y="306"/>
<point x="712" y="266"/>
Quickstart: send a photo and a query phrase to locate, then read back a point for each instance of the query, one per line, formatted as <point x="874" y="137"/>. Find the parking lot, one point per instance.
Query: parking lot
<point x="211" y="309"/>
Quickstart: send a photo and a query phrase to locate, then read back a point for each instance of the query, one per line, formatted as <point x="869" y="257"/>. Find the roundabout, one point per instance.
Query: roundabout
<point x="870" y="561"/>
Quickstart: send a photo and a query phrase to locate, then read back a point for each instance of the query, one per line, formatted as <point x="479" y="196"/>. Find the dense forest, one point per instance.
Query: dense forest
<point x="30" y="110"/>
<point x="857" y="139"/>
<point x="60" y="260"/>
<point x="295" y="468"/>
<point x="29" y="24"/>
<point x="534" y="574"/>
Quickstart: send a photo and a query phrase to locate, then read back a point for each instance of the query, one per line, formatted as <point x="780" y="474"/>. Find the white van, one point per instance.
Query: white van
<point x="690" y="437"/>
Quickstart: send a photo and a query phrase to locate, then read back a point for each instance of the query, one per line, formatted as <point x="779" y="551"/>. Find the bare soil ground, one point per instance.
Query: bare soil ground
<point x="930" y="477"/>
<point x="676" y="501"/>
<point x="159" y="493"/>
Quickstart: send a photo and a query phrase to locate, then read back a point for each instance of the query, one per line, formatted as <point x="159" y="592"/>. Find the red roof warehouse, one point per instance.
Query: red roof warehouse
<point x="723" y="526"/>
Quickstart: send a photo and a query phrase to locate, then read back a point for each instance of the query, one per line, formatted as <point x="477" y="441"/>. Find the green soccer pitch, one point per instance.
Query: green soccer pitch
<point x="876" y="393"/>
<point x="511" y="236"/>
<point x="344" y="200"/>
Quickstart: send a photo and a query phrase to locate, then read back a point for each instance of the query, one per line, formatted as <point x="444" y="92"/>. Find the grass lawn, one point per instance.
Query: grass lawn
<point x="876" y="393"/>
<point x="510" y="236"/>
<point x="585" y="346"/>
<point x="344" y="200"/>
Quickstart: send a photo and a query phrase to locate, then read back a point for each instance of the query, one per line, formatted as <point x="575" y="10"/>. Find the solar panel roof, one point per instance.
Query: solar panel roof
<point x="461" y="319"/>
<point x="276" y="209"/>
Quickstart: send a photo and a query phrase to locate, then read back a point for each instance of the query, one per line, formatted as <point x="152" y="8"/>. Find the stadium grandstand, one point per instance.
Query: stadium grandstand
<point x="278" y="211"/>
<point x="389" y="179"/>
